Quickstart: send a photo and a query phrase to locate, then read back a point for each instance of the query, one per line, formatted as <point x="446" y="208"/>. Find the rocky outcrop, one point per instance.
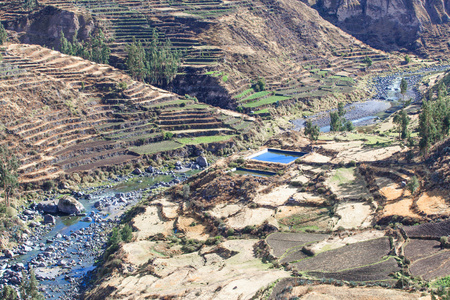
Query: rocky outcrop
<point x="49" y="207"/>
<point x="388" y="25"/>
<point x="44" y="26"/>
<point x="68" y="205"/>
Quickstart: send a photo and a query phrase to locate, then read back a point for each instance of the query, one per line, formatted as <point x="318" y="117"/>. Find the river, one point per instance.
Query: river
<point x="63" y="255"/>
<point x="385" y="101"/>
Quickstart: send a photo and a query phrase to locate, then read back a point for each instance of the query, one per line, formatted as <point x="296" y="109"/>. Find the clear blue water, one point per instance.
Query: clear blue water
<point x="277" y="157"/>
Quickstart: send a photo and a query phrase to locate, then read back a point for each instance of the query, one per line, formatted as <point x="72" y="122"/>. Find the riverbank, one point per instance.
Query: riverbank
<point x="386" y="90"/>
<point x="63" y="249"/>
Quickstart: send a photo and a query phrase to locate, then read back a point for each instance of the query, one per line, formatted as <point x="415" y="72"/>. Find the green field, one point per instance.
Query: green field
<point x="244" y="93"/>
<point x="256" y="95"/>
<point x="262" y="111"/>
<point x="156" y="147"/>
<point x="265" y="101"/>
<point x="204" y="139"/>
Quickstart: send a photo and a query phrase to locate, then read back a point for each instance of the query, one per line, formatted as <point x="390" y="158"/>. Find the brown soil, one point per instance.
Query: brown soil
<point x="434" y="203"/>
<point x="347" y="257"/>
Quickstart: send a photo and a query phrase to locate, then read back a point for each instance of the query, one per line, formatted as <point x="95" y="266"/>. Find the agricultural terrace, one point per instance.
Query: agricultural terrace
<point x="104" y="118"/>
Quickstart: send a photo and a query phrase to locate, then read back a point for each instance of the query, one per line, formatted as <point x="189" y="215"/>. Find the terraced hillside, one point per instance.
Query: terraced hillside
<point x="227" y="45"/>
<point x="63" y="114"/>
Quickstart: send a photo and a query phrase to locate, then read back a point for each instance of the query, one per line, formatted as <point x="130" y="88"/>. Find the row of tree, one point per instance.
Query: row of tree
<point x="157" y="63"/>
<point x="338" y="122"/>
<point x="434" y="120"/>
<point x="95" y="48"/>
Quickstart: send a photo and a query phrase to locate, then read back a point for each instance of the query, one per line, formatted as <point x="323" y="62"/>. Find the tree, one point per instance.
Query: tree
<point x="312" y="131"/>
<point x="402" y="120"/>
<point x="30" y="4"/>
<point x="349" y="126"/>
<point x="29" y="289"/>
<point x="8" y="173"/>
<point x="368" y="61"/>
<point x="407" y="59"/>
<point x="434" y="122"/>
<point x="335" y="121"/>
<point x="427" y="130"/>
<point x="403" y="87"/>
<point x="136" y="60"/>
<point x="338" y="121"/>
<point x="158" y="64"/>
<point x="341" y="110"/>
<point x="95" y="48"/>
<point x="259" y="85"/>
<point x="8" y="293"/>
<point x="3" y="34"/>
<point x="413" y="184"/>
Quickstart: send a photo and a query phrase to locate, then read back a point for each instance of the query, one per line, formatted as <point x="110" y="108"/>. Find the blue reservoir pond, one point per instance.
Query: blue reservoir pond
<point x="278" y="156"/>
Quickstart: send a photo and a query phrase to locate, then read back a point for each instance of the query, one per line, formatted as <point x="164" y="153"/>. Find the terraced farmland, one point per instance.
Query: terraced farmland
<point x="195" y="27"/>
<point x="97" y="123"/>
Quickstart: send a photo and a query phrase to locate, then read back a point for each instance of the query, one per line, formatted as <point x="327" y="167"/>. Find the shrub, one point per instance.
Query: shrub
<point x="248" y="229"/>
<point x="230" y="232"/>
<point x="123" y="86"/>
<point x="168" y="135"/>
<point x="233" y="165"/>
<point x="186" y="191"/>
<point x="407" y="59"/>
<point x="240" y="160"/>
<point x="126" y="233"/>
<point x="321" y="190"/>
<point x="8" y="293"/>
<point x="413" y="184"/>
<point x="48" y="185"/>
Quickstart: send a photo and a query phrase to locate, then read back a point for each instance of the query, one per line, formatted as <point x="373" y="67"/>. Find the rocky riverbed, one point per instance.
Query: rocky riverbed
<point x="63" y="248"/>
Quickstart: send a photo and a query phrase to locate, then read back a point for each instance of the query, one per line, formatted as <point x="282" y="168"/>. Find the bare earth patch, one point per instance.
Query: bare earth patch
<point x="359" y="154"/>
<point x="192" y="230"/>
<point x="250" y="217"/>
<point x="139" y="252"/>
<point x="394" y="191"/>
<point x="224" y="210"/>
<point x="151" y="223"/>
<point x="342" y="146"/>
<point x="277" y="197"/>
<point x="345" y="184"/>
<point x="309" y="198"/>
<point x="434" y="202"/>
<point x="189" y="276"/>
<point x="400" y="208"/>
<point x="316" y="157"/>
<point x="337" y="241"/>
<point x="168" y="209"/>
<point x="354" y="215"/>
<point x="286" y="211"/>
